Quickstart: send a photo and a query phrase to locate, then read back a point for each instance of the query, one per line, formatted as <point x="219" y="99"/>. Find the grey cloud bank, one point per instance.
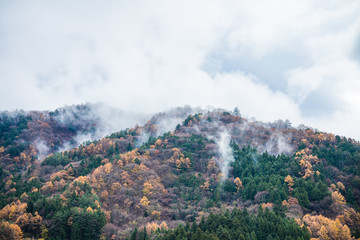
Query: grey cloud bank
<point x="293" y="60"/>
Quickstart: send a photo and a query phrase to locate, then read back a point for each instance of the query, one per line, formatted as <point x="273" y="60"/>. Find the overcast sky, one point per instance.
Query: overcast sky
<point x="296" y="60"/>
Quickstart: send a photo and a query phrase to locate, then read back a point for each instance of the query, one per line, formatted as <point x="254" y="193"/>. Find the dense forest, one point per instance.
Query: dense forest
<point x="184" y="174"/>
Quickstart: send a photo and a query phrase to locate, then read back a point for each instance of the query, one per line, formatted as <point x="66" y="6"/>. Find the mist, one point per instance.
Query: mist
<point x="226" y="153"/>
<point x="278" y="145"/>
<point x="164" y="122"/>
<point x="97" y="120"/>
<point x="224" y="150"/>
<point x="42" y="149"/>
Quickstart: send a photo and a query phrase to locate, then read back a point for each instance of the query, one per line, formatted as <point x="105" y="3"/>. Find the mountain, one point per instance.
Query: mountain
<point x="185" y="173"/>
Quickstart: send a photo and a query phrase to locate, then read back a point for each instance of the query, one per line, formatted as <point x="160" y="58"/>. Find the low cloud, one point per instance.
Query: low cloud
<point x="147" y="57"/>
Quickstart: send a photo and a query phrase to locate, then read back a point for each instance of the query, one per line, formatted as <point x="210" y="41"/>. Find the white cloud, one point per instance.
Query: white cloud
<point x="149" y="56"/>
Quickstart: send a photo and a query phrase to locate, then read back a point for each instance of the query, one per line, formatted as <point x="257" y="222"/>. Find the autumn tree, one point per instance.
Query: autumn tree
<point x="326" y="228"/>
<point x="12" y="211"/>
<point x="115" y="186"/>
<point x="158" y="143"/>
<point x="2" y="149"/>
<point x="44" y="232"/>
<point x="10" y="231"/>
<point x="183" y="164"/>
<point x="144" y="201"/>
<point x="306" y="161"/>
<point x="30" y="223"/>
<point x="351" y="218"/>
<point x="107" y="168"/>
<point x="212" y="165"/>
<point x="163" y="226"/>
<point x="338" y="198"/>
<point x="340" y="186"/>
<point x="338" y="201"/>
<point x="323" y="233"/>
<point x="290" y="183"/>
<point x="147" y="188"/>
<point x="156" y="215"/>
<point x="238" y="184"/>
<point x="206" y="185"/>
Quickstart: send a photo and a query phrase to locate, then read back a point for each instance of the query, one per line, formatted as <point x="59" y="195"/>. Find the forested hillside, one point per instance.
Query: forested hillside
<point x="183" y="174"/>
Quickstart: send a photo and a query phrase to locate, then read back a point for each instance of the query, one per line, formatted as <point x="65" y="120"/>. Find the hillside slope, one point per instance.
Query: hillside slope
<point x="159" y="175"/>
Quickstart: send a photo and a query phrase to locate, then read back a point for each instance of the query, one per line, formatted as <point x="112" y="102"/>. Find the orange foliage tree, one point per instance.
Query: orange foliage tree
<point x="306" y="161"/>
<point x="13" y="210"/>
<point x="10" y="231"/>
<point x="182" y="163"/>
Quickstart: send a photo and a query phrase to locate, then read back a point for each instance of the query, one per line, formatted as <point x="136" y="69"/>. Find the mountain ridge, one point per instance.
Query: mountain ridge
<point x="172" y="172"/>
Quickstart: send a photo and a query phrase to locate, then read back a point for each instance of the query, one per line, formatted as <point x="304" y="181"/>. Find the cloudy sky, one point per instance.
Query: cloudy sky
<point x="296" y="60"/>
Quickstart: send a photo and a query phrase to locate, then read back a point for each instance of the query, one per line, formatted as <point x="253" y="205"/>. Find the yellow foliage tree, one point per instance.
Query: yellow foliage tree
<point x="129" y="156"/>
<point x="290" y="183"/>
<point x="151" y="227"/>
<point x="183" y="164"/>
<point x="115" y="186"/>
<point x="285" y="203"/>
<point x="142" y="168"/>
<point x="305" y="161"/>
<point x="323" y="233"/>
<point x="81" y="179"/>
<point x="147" y="188"/>
<point x="340" y="186"/>
<point x="10" y="231"/>
<point x="90" y="210"/>
<point x="107" y="168"/>
<point x="44" y="232"/>
<point x="333" y="187"/>
<point x="2" y="149"/>
<point x="144" y="201"/>
<point x="338" y="197"/>
<point x="156" y="215"/>
<point x="326" y="228"/>
<point x="238" y="184"/>
<point x="23" y="220"/>
<point x="29" y="221"/>
<point x="12" y="211"/>
<point x="60" y="174"/>
<point x="163" y="226"/>
<point x="351" y="218"/>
